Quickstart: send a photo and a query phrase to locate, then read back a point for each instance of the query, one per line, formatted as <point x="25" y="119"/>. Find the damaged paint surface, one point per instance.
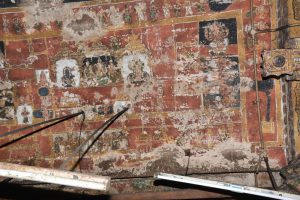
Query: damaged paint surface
<point x="7" y="101"/>
<point x="183" y="67"/>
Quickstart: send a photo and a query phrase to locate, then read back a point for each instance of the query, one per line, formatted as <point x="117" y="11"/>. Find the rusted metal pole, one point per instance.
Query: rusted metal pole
<point x="53" y="176"/>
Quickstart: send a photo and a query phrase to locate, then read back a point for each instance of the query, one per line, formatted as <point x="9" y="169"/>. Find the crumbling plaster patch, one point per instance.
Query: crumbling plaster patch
<point x="56" y="11"/>
<point x="193" y="120"/>
<point x="207" y="160"/>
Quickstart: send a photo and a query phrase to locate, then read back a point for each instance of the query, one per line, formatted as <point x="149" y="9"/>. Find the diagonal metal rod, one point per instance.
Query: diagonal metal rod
<point x="61" y="119"/>
<point x="41" y="123"/>
<point x="94" y="137"/>
<point x="260" y="131"/>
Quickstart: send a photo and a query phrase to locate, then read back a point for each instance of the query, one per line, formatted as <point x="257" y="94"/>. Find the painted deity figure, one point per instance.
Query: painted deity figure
<point x="43" y="79"/>
<point x="101" y="73"/>
<point x="89" y="70"/>
<point x="68" y="77"/>
<point x="6" y="104"/>
<point x="25" y="115"/>
<point x="113" y="71"/>
<point x="138" y="74"/>
<point x="217" y="34"/>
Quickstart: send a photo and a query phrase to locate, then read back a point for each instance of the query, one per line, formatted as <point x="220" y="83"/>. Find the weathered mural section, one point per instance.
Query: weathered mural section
<point x="184" y="67"/>
<point x="7" y="101"/>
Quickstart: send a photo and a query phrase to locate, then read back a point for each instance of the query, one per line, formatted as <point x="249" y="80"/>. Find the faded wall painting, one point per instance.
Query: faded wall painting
<point x="67" y="73"/>
<point x="7" y="111"/>
<point x="218" y="34"/>
<point x="24" y="114"/>
<point x="184" y="68"/>
<point x="100" y="71"/>
<point x="223" y="81"/>
<point x="43" y="77"/>
<point x="135" y="69"/>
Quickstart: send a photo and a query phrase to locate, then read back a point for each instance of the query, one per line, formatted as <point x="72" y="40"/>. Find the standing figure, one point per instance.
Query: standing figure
<point x="138" y="74"/>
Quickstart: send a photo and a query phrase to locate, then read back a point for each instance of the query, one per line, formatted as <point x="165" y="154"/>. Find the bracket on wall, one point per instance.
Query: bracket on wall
<point x="280" y="62"/>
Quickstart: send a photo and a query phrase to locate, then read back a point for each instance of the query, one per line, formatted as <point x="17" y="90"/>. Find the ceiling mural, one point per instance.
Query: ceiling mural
<point x="184" y="67"/>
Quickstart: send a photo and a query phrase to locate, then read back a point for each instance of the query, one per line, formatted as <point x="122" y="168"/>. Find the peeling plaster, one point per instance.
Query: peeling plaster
<point x="207" y="160"/>
<point x="70" y="99"/>
<point x="82" y="26"/>
<point x="56" y="11"/>
<point x="193" y="120"/>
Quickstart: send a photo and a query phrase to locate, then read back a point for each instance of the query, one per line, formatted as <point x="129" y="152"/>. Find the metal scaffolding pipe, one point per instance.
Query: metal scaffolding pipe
<point x="59" y="177"/>
<point x="227" y="186"/>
